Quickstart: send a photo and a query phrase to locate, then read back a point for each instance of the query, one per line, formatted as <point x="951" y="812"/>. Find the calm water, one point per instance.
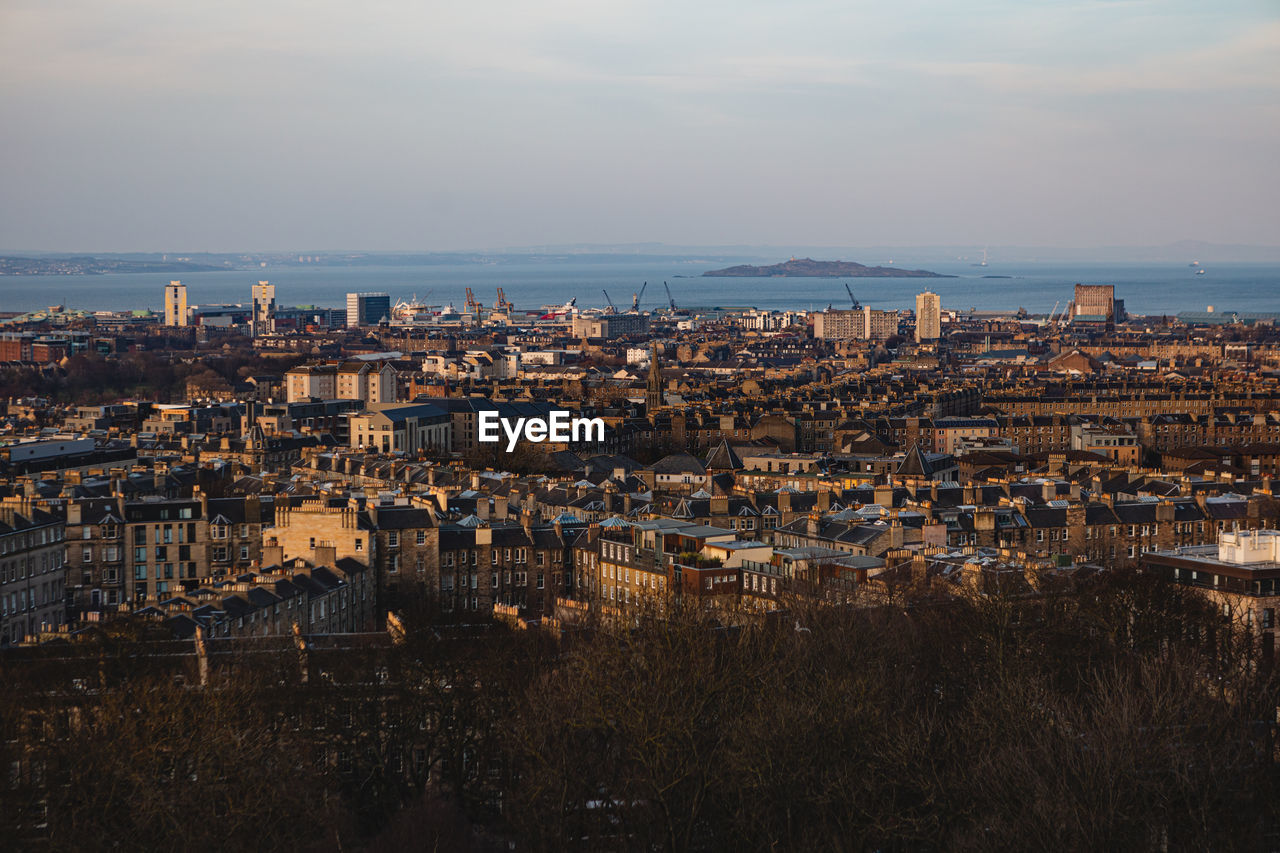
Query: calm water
<point x="1146" y="288"/>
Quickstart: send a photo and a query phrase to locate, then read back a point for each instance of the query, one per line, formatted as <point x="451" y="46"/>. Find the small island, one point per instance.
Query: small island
<point x="809" y="268"/>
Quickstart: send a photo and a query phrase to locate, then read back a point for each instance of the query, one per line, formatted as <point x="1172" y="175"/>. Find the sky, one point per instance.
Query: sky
<point x="419" y="125"/>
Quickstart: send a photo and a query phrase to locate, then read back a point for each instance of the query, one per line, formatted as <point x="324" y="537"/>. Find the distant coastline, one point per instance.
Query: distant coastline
<point x="87" y="265"/>
<point x="1146" y="288"/>
<point x="809" y="268"/>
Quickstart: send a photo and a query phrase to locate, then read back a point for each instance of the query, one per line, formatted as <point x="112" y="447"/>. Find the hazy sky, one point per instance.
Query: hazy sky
<point x="402" y="124"/>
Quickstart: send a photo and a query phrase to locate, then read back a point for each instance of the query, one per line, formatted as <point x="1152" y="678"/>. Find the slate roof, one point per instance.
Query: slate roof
<point x="914" y="464"/>
<point x="679" y="463"/>
<point x="723" y="458"/>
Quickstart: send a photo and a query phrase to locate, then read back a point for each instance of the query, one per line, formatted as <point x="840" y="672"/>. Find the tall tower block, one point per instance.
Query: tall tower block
<point x="175" y="304"/>
<point x="264" y="308"/>
<point x="928" y="317"/>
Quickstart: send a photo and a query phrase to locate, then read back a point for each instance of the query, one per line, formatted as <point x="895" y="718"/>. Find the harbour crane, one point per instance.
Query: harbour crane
<point x="504" y="303"/>
<point x="852" y="298"/>
<point x="473" y="307"/>
<point x="670" y="299"/>
<point x="1049" y="322"/>
<point x="612" y="309"/>
<point x="636" y="297"/>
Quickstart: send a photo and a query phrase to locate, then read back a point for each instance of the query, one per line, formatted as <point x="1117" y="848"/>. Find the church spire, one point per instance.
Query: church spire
<point x="653" y="394"/>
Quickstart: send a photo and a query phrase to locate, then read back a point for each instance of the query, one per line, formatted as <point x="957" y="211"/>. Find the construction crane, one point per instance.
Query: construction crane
<point x="612" y="309"/>
<point x="670" y="299"/>
<point x="636" y="297"/>
<point x="473" y="307"/>
<point x="852" y="298"/>
<point x="503" y="302"/>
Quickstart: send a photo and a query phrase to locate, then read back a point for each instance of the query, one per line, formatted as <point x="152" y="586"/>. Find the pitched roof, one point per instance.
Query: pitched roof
<point x="678" y="463"/>
<point x="723" y="458"/>
<point x="914" y="464"/>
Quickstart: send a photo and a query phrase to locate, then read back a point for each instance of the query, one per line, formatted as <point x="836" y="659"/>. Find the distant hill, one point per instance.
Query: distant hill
<point x="809" y="268"/>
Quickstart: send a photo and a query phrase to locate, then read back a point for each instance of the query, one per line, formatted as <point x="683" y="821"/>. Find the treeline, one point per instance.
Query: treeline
<point x="1121" y="713"/>
<point x="90" y="378"/>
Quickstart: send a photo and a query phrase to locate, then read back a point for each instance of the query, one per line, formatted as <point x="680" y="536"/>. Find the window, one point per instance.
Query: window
<point x="393" y="539"/>
<point x="87" y="555"/>
<point x="422" y="537"/>
<point x="359" y="545"/>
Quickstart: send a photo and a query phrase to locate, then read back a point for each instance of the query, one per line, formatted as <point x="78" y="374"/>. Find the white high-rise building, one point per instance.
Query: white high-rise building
<point x="175" y="304"/>
<point x="264" y="308"/>
<point x="928" y="316"/>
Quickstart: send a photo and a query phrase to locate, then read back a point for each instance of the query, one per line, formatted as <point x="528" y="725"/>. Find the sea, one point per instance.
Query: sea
<point x="1146" y="288"/>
